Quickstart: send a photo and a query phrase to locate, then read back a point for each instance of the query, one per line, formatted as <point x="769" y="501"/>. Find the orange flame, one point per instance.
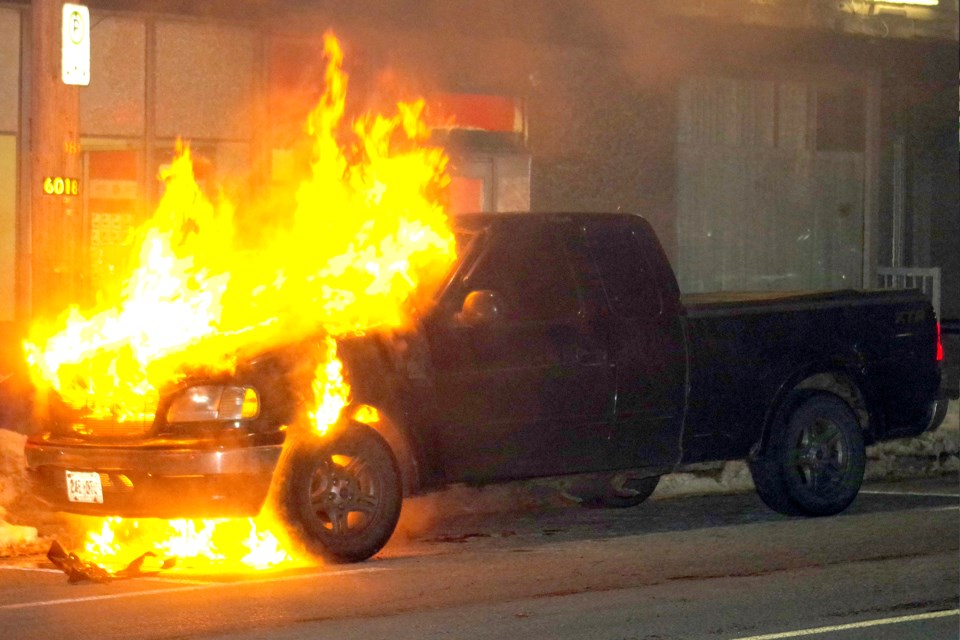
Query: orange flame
<point x="366" y="237"/>
<point x="330" y="391"/>
<point x="197" y="546"/>
<point x="112" y="361"/>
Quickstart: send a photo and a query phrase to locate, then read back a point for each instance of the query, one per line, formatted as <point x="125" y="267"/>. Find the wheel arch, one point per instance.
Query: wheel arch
<point x="835" y="378"/>
<point x="403" y="446"/>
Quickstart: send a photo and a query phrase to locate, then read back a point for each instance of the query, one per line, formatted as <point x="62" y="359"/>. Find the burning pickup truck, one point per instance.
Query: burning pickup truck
<point x="356" y="345"/>
<point x="556" y="344"/>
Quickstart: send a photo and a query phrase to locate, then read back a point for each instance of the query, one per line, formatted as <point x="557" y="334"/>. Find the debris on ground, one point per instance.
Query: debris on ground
<point x="80" y="570"/>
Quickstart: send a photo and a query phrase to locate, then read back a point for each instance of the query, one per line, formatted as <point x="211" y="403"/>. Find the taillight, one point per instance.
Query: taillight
<point x="939" y="344"/>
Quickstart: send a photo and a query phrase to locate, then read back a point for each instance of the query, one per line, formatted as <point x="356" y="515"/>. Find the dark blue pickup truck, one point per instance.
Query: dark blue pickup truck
<point x="559" y="344"/>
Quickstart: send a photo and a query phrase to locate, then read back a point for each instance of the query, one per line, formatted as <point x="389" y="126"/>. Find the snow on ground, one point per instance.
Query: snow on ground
<point x="15" y="537"/>
<point x="929" y="454"/>
<point x="14" y="491"/>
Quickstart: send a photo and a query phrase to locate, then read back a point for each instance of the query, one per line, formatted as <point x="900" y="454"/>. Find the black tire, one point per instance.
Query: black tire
<point x="340" y="497"/>
<point x="813" y="464"/>
<point x="622" y="493"/>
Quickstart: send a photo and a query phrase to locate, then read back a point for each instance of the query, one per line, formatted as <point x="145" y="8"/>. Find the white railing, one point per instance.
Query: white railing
<point x="925" y="279"/>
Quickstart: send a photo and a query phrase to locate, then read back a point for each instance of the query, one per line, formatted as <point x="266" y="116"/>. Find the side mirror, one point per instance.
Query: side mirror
<point x="480" y="307"/>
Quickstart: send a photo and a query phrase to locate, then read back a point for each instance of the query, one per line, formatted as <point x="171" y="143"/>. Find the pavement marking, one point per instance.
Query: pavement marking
<point x="49" y="603"/>
<point x="188" y="587"/>
<point x="147" y="576"/>
<point x="166" y="579"/>
<point x="854" y="625"/>
<point x="913" y="493"/>
<point x="31" y="569"/>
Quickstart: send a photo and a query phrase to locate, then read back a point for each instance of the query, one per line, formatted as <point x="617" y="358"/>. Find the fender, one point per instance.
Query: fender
<point x="842" y="376"/>
<point x="405" y="448"/>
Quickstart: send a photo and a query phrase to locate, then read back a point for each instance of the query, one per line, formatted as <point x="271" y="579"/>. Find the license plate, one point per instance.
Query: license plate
<point x="84" y="486"/>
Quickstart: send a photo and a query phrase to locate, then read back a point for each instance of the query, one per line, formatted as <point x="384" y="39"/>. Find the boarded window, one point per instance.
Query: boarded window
<point x="9" y="69"/>
<point x="841" y="119"/>
<point x="205" y="81"/>
<point x="758" y="213"/>
<point x="113" y="104"/>
<point x="8" y="225"/>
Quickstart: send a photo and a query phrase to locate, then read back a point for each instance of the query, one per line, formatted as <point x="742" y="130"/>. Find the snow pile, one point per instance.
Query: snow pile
<point x="14" y="489"/>
<point x="14" y="536"/>
<point x="732" y="476"/>
<point x="929" y="454"/>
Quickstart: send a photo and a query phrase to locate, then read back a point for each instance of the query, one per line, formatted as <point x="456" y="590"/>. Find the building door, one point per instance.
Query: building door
<point x="484" y="181"/>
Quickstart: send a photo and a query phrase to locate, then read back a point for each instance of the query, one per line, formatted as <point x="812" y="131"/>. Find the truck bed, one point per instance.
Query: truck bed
<point x="746" y="348"/>
<point x="741" y="302"/>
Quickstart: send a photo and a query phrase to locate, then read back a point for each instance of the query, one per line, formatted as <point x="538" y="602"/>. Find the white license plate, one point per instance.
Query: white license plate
<point x="84" y="486"/>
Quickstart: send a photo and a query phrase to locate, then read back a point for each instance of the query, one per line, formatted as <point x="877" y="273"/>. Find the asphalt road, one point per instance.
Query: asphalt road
<point x="719" y="567"/>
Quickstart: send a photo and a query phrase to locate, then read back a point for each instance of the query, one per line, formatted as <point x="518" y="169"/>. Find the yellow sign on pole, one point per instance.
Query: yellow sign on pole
<point x="75" y="61"/>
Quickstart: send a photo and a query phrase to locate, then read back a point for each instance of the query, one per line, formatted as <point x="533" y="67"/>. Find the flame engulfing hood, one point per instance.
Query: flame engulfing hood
<point x="367" y="230"/>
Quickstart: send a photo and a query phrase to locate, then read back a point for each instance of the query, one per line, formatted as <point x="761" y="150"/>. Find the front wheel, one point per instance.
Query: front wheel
<point x="815" y="459"/>
<point x="340" y="497"/>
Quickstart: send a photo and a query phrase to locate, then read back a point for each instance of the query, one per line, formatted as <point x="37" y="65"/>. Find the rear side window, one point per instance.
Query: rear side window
<point x="618" y="253"/>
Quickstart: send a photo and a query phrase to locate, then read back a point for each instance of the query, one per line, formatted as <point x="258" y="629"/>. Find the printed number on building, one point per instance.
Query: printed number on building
<point x="61" y="186"/>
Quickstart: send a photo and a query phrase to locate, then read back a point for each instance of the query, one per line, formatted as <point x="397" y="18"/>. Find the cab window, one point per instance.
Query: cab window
<point x="526" y="265"/>
<point x="623" y="268"/>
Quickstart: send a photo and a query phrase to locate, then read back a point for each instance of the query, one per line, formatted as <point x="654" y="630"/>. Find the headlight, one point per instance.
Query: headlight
<point x="207" y="403"/>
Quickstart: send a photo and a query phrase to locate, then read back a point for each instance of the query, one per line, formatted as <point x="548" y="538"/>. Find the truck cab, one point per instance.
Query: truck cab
<point x="538" y="362"/>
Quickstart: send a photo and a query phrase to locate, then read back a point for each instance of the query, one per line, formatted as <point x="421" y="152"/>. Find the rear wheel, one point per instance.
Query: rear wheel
<point x="340" y="497"/>
<point x="814" y="462"/>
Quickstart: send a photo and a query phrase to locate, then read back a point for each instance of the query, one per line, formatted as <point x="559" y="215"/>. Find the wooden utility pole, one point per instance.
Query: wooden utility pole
<point x="56" y="212"/>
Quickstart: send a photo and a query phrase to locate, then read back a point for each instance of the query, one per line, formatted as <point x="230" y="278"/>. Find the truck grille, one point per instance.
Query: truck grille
<point x="110" y="428"/>
<point x="80" y="423"/>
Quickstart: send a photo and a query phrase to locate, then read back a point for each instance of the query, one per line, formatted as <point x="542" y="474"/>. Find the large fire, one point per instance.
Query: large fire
<point x="200" y="546"/>
<point x="368" y="228"/>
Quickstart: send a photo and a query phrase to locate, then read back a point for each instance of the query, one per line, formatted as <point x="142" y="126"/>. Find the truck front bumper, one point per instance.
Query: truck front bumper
<point x="155" y="481"/>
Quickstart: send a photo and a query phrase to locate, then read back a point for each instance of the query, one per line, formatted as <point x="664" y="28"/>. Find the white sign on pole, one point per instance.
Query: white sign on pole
<point x="75" y="61"/>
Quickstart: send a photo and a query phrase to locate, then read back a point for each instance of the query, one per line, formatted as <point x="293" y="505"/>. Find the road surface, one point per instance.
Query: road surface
<point x="717" y="567"/>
